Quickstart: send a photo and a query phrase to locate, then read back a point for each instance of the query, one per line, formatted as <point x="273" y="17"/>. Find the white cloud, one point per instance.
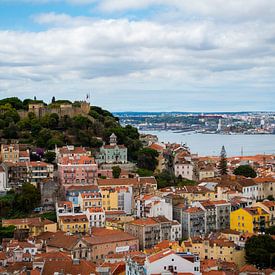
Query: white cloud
<point x="122" y="58"/>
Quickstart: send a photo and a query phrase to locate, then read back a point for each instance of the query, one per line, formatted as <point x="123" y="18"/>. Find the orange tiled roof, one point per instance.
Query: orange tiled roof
<point x="95" y="209"/>
<point x="156" y="147"/>
<point x="102" y="236"/>
<point x="81" y="160"/>
<point x="68" y="267"/>
<point x="144" y="222"/>
<point x="248" y="268"/>
<point x="160" y="255"/>
<point x="193" y="210"/>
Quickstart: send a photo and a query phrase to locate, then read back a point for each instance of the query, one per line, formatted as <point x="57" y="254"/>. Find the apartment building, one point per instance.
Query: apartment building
<point x="149" y="231"/>
<point x="77" y="170"/>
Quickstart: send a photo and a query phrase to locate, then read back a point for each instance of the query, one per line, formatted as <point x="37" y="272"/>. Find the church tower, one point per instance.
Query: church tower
<point x="113" y="139"/>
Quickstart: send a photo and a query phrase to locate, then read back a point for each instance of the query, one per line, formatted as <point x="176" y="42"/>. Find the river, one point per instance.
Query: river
<point x="210" y="144"/>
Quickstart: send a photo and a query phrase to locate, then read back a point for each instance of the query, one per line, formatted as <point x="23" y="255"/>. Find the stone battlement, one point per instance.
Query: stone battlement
<point x="65" y="109"/>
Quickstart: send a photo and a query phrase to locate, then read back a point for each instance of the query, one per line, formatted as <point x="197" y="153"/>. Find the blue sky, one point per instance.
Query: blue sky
<point x="141" y="55"/>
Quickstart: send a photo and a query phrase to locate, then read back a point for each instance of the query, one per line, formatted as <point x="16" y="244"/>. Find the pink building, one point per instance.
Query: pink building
<point x="77" y="169"/>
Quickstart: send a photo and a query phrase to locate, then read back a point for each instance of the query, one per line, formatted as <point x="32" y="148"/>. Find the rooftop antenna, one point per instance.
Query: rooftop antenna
<point x="242" y="151"/>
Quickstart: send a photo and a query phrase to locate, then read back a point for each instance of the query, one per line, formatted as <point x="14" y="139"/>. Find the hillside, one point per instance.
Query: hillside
<point x="51" y="129"/>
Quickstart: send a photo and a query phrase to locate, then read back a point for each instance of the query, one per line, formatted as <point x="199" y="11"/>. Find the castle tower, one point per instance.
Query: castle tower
<point x="85" y="107"/>
<point x="113" y="139"/>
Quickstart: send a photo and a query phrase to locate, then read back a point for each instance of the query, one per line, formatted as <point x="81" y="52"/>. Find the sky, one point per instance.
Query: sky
<point x="141" y="55"/>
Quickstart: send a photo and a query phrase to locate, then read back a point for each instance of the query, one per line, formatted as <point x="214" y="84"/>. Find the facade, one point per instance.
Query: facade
<point x="215" y="249"/>
<point x="249" y="220"/>
<point x="117" y="198"/>
<point x="96" y="217"/>
<point x="153" y="206"/>
<point x="35" y="226"/>
<point x="77" y="170"/>
<point x="149" y="231"/>
<point x="71" y="151"/>
<point x="266" y="187"/>
<point x="10" y="152"/>
<point x="185" y="169"/>
<point x="73" y="191"/>
<point x="170" y="262"/>
<point x="74" y="223"/>
<point x="269" y="207"/>
<point x="176" y="231"/>
<point x="39" y="171"/>
<point x="3" y="179"/>
<point x="104" y="242"/>
<point x="193" y="222"/>
<point x="206" y="172"/>
<point x="32" y="172"/>
<point x="217" y="214"/>
<point x="88" y="200"/>
<point x="113" y="153"/>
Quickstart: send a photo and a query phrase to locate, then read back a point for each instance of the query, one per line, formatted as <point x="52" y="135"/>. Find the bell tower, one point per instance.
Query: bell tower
<point x="113" y="139"/>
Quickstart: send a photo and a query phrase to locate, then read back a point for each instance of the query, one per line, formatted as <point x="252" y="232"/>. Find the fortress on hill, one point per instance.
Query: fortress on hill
<point x="64" y="109"/>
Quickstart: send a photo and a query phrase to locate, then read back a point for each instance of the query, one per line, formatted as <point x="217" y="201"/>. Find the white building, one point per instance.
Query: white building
<point x="250" y="190"/>
<point x="184" y="169"/>
<point x="176" y="231"/>
<point x="96" y="217"/>
<point x="3" y="179"/>
<point x="153" y="206"/>
<point x="170" y="262"/>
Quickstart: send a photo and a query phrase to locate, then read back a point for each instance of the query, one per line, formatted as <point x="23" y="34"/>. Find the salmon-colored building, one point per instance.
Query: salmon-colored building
<point x="77" y="170"/>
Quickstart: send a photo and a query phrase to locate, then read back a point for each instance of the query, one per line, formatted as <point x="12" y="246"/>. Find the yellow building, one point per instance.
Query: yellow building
<point x="269" y="207"/>
<point x="217" y="249"/>
<point x="109" y="198"/>
<point x="251" y="220"/>
<point x="196" y="193"/>
<point x="90" y="199"/>
<point x="35" y="226"/>
<point x="10" y="153"/>
<point x="74" y="223"/>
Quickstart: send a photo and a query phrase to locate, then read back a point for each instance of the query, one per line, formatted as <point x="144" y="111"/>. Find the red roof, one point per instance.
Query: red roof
<point x="193" y="210"/>
<point x="120" y="181"/>
<point x="144" y="222"/>
<point x="80" y="160"/>
<point x="160" y="255"/>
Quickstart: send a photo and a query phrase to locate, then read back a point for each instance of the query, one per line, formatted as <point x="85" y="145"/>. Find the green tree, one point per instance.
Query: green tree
<point x="144" y="172"/>
<point x="11" y="131"/>
<point x="147" y="159"/>
<point x="49" y="156"/>
<point x="53" y="121"/>
<point x="26" y="199"/>
<point x="6" y="232"/>
<point x="260" y="251"/>
<point x="246" y="171"/>
<point x="222" y="167"/>
<point x="165" y="179"/>
<point x="116" y="170"/>
<point x="15" y="102"/>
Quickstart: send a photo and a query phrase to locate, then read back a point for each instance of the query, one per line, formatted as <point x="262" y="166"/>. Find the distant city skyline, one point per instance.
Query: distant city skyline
<point x="141" y="55"/>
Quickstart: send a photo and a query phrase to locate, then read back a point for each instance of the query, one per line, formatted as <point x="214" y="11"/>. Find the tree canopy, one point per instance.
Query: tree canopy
<point x="147" y="159"/>
<point x="116" y="170"/>
<point x="246" y="171"/>
<point x="260" y="251"/>
<point x="20" y="203"/>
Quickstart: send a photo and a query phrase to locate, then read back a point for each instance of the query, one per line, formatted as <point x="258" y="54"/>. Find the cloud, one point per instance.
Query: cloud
<point x="224" y="49"/>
